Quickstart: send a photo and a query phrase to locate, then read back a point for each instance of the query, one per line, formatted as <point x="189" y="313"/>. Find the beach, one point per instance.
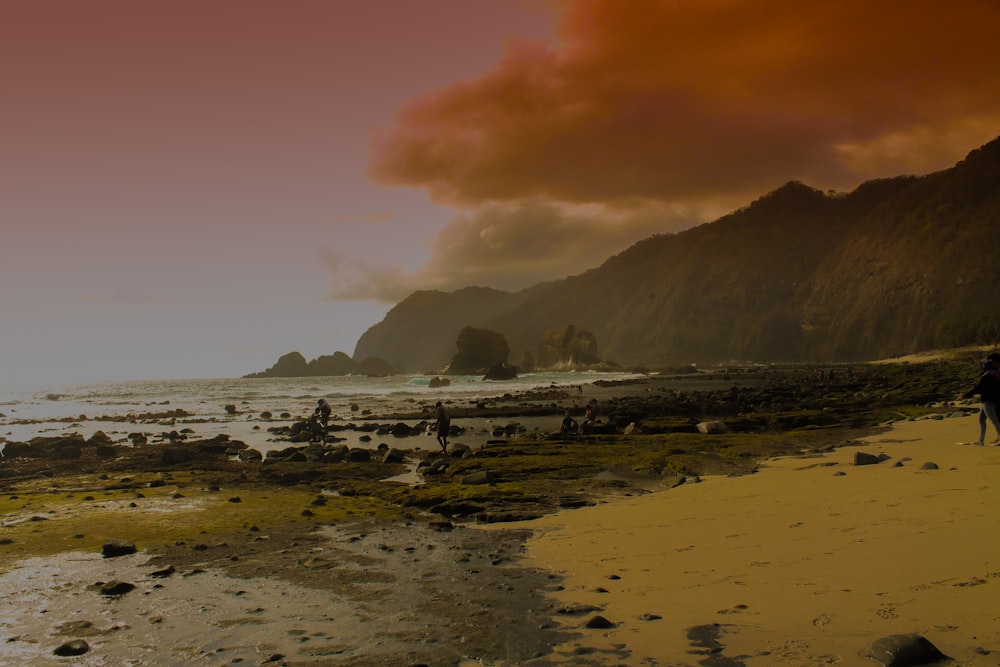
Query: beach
<point x="762" y="544"/>
<point x="807" y="562"/>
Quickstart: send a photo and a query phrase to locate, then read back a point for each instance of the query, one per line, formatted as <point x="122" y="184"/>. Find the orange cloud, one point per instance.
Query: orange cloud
<point x="667" y="101"/>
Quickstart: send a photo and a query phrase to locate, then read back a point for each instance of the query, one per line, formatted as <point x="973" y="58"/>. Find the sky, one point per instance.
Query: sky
<point x="192" y="188"/>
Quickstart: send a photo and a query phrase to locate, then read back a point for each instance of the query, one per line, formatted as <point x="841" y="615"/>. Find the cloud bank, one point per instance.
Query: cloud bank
<point x="568" y="151"/>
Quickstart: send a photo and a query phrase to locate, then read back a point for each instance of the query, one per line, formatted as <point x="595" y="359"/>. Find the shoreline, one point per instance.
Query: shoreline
<point x="808" y="561"/>
<point x="309" y="523"/>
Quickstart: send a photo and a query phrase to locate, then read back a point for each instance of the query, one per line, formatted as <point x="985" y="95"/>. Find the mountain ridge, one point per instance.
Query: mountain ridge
<point x="896" y="266"/>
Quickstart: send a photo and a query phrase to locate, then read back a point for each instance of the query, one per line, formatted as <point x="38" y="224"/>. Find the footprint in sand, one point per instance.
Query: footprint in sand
<point x="735" y="609"/>
<point x="822" y="619"/>
<point x="887" y="612"/>
<point x="971" y="582"/>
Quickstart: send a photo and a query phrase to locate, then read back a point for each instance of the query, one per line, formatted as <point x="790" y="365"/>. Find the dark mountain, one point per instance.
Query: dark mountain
<point x="896" y="266"/>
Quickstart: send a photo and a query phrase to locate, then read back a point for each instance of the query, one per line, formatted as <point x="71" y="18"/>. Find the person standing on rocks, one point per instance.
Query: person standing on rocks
<point x="443" y="426"/>
<point x="988" y="389"/>
<point x="320" y="418"/>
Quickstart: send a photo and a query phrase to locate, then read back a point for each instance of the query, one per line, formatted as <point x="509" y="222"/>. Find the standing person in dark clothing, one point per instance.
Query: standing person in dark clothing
<point x="443" y="426"/>
<point x="320" y="418"/>
<point x="988" y="389"/>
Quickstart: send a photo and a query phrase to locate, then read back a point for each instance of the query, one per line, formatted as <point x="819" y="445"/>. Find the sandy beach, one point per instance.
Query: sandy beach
<point x="807" y="562"/>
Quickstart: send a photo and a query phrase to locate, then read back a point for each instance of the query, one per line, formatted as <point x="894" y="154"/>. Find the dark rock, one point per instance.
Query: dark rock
<point x="438" y="382"/>
<point x="501" y="371"/>
<point x="904" y="650"/>
<point x="929" y="465"/>
<point x="250" y="455"/>
<point x="99" y="438"/>
<point x="401" y="430"/>
<point x="865" y="459"/>
<point x="599" y="622"/>
<point x="359" y="455"/>
<point x="336" y="454"/>
<point x="115" y="548"/>
<point x="393" y="456"/>
<point x="712" y="427"/>
<point x="460" y="451"/>
<point x="72" y="647"/>
<point x="115" y="587"/>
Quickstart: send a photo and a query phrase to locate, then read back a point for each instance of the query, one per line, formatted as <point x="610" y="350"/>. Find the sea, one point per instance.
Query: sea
<point x="246" y="409"/>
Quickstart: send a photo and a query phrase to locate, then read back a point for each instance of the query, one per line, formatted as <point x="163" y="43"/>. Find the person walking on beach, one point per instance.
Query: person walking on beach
<point x="988" y="389"/>
<point x="443" y="426"/>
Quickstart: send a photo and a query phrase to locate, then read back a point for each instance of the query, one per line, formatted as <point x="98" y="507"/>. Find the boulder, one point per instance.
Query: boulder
<point x="865" y="459"/>
<point x="712" y="427"/>
<point x="99" y="438"/>
<point x="359" y="455"/>
<point x="114" y="548"/>
<point x="904" y="650"/>
<point x="401" y="430"/>
<point x="72" y="647"/>
<point x="115" y="587"/>
<point x="393" y="455"/>
<point x="501" y="371"/>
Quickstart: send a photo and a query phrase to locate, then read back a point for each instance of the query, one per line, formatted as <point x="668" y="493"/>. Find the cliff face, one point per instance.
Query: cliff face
<point x="896" y="266"/>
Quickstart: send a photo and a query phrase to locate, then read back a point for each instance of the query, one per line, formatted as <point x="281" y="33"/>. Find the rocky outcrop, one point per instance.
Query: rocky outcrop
<point x="567" y="347"/>
<point x="501" y="372"/>
<point x="294" y="364"/>
<point x="478" y="351"/>
<point x="375" y="367"/>
<point x="337" y="363"/>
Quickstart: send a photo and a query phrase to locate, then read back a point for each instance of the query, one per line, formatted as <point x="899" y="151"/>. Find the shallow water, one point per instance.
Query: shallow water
<point x="378" y="595"/>
<point x="206" y="618"/>
<point x="120" y="408"/>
